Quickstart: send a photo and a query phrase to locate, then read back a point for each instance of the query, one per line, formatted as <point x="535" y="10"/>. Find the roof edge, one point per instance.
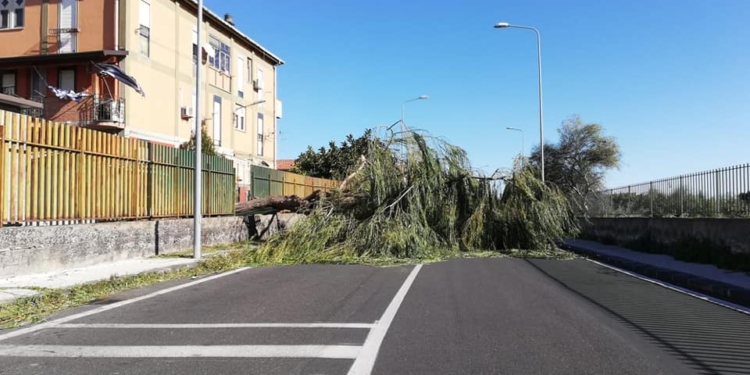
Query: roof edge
<point x="216" y="18"/>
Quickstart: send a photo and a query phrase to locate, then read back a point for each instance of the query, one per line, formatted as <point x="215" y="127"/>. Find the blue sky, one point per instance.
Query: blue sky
<point x="670" y="79"/>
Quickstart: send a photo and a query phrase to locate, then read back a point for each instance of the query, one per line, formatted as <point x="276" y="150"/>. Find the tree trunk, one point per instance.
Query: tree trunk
<point x="275" y="204"/>
<point x="291" y="203"/>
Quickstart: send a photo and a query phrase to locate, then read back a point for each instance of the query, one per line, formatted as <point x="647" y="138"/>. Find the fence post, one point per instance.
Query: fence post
<point x="682" y="193"/>
<point x="651" y="197"/>
<point x="149" y="180"/>
<point x="2" y="173"/>
<point x="718" y="192"/>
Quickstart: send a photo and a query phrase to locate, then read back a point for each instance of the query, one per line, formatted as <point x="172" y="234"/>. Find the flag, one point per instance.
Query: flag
<point x="117" y="73"/>
<point x="67" y="94"/>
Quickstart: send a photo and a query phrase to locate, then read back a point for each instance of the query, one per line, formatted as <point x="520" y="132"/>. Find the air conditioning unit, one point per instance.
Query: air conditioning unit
<point x="187" y="112"/>
<point x="257" y="85"/>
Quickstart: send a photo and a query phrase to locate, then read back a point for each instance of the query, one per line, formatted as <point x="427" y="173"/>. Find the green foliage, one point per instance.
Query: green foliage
<point x="679" y="203"/>
<point x="335" y="161"/>
<point x="207" y="143"/>
<point x="578" y="162"/>
<point x="430" y="204"/>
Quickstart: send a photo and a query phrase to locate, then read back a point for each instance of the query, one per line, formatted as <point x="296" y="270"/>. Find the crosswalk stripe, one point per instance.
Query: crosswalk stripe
<point x="213" y="351"/>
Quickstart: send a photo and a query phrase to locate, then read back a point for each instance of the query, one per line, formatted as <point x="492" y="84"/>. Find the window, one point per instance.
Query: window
<point x="260" y="134"/>
<point x="195" y="52"/>
<point x="221" y="58"/>
<point x="8" y="83"/>
<point x="144" y="17"/>
<point x="216" y="120"/>
<point x="68" y="13"/>
<point x="194" y="104"/>
<point x="249" y="70"/>
<point x="239" y="117"/>
<point x="241" y="76"/>
<point x="38" y="86"/>
<point x="261" y="94"/>
<point x="12" y="14"/>
<point x="66" y="79"/>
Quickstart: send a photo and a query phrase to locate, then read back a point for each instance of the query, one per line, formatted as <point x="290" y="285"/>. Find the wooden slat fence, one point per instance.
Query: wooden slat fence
<point x="57" y="173"/>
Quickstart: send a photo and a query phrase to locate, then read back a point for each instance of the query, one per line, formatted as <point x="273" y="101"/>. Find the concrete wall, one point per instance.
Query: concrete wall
<point x="27" y="250"/>
<point x="733" y="233"/>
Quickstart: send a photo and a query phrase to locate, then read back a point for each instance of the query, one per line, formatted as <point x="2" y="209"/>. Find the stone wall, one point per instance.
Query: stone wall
<point x="733" y="234"/>
<point x="27" y="250"/>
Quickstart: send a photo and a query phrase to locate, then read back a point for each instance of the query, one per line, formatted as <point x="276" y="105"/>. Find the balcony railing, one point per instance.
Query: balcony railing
<point x="109" y="110"/>
<point x="9" y="90"/>
<point x="35" y="112"/>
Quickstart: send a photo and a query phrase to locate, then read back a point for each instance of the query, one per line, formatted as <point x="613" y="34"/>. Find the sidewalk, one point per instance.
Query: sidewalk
<point x="12" y="288"/>
<point x="704" y="278"/>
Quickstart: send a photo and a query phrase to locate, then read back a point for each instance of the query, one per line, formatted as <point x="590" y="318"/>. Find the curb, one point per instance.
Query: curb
<point x="717" y="289"/>
<point x="164" y="269"/>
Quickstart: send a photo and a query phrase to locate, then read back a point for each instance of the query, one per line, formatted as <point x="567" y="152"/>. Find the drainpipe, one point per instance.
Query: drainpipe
<point x="117" y="25"/>
<point x="45" y="24"/>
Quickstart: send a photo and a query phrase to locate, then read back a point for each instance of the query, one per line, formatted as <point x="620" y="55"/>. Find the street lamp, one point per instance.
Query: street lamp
<point x="503" y="25"/>
<point x="403" y="110"/>
<point x="251" y="104"/>
<point x="198" y="191"/>
<point x="522" y="138"/>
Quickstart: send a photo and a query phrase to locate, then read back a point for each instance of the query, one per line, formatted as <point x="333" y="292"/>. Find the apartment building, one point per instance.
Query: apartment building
<point x="64" y="60"/>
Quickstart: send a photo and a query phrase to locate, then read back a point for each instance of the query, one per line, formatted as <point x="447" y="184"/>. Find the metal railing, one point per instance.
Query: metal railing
<point x="35" y="112"/>
<point x="109" y="110"/>
<point x="720" y="193"/>
<point x="10" y="90"/>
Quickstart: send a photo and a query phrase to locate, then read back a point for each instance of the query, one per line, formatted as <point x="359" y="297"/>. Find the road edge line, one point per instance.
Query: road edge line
<point x="663" y="284"/>
<point x="365" y="361"/>
<point x="53" y="323"/>
<point x="215" y="326"/>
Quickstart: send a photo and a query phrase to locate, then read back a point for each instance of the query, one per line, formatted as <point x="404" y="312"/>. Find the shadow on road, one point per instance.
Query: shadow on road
<point x="709" y="338"/>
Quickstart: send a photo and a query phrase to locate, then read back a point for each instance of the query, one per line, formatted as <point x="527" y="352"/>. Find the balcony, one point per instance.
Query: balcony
<point x="218" y="79"/>
<point x="108" y="113"/>
<point x="9" y="100"/>
<point x="96" y="112"/>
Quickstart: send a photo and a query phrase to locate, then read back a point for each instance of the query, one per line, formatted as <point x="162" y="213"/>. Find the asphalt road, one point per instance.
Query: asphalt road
<point x="472" y="316"/>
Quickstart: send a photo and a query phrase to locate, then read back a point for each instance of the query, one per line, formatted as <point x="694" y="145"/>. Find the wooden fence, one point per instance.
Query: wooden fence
<point x="58" y="173"/>
<point x="269" y="182"/>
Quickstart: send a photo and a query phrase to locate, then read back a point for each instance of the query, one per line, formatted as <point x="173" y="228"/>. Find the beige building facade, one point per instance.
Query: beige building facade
<point x="59" y="44"/>
<point x="238" y="105"/>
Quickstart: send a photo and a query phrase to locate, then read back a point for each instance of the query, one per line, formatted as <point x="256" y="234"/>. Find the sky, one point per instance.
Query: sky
<point x="669" y="79"/>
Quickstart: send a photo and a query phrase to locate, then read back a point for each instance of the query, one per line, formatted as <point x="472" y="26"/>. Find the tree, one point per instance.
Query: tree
<point x="336" y="161"/>
<point x="207" y="144"/>
<point x="578" y="162"/>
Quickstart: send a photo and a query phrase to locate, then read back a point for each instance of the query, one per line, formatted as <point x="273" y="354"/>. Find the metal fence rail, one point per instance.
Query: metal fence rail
<point x="55" y="173"/>
<point x="723" y="192"/>
<point x="269" y="182"/>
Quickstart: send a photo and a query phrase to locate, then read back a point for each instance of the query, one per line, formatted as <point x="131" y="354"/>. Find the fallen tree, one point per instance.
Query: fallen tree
<point x="276" y="204"/>
<point x="428" y="202"/>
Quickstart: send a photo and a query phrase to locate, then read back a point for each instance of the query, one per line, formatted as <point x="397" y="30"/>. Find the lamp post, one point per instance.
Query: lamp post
<point x="403" y="110"/>
<point x="198" y="181"/>
<point x="503" y="25"/>
<point x="252" y="104"/>
<point x="523" y="148"/>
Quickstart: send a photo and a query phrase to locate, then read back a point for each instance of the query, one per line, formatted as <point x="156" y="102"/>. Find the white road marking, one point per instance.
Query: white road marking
<point x="217" y="351"/>
<point x="678" y="289"/>
<point x="366" y="360"/>
<point x="98" y="310"/>
<point x="217" y="326"/>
